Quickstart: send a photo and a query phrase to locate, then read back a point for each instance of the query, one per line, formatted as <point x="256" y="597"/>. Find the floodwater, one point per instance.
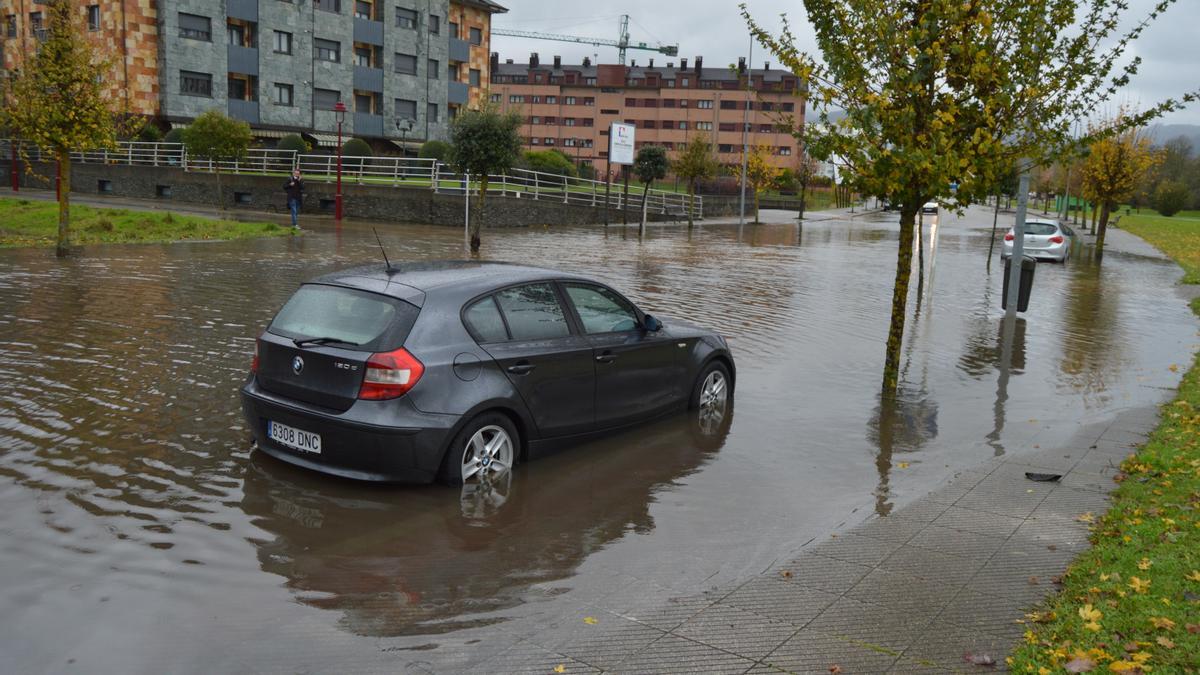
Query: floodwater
<point x="139" y="533"/>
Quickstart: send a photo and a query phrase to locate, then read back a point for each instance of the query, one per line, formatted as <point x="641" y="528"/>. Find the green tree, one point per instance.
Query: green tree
<point x="57" y="102"/>
<point x="150" y="133"/>
<point x="1171" y="197"/>
<point x="217" y="138"/>
<point x="651" y="164"/>
<point x="760" y="173"/>
<point x="694" y="164"/>
<point x="439" y="150"/>
<point x="484" y="141"/>
<point x="356" y="147"/>
<point x="174" y="135"/>
<point x="936" y="91"/>
<point x="1112" y="170"/>
<point x="294" y="143"/>
<point x="549" y="161"/>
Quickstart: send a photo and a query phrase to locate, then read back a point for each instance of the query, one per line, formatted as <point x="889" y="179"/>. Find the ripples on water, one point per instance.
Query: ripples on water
<point x="126" y="482"/>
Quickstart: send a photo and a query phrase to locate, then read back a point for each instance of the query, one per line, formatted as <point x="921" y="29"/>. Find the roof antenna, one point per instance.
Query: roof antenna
<point x="382" y="250"/>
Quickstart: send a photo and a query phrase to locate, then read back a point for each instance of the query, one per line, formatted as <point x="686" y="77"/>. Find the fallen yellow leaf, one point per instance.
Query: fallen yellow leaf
<point x="1139" y="585"/>
<point x="1165" y="642"/>
<point x="1195" y="575"/>
<point x="1162" y="622"/>
<point x="1123" y="666"/>
<point x="1086" y="517"/>
<point x="902" y="465"/>
<point x="1089" y="613"/>
<point x="1144" y="564"/>
<point x="560" y="668"/>
<point x="1092" y="626"/>
<point x="590" y="620"/>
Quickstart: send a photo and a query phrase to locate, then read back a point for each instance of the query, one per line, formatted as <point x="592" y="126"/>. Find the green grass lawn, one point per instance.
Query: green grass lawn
<point x="1177" y="236"/>
<point x="1132" y="602"/>
<point x="26" y="222"/>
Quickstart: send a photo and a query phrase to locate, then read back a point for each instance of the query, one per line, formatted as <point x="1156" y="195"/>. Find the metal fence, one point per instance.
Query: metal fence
<point x="384" y="172"/>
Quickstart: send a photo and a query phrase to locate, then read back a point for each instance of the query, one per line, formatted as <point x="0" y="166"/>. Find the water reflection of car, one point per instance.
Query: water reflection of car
<point x="457" y="370"/>
<point x="930" y="208"/>
<point x="409" y="562"/>
<point x="1044" y="240"/>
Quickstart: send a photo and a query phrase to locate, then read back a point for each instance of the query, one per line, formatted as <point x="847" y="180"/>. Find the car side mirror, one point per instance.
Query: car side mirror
<point x="651" y="324"/>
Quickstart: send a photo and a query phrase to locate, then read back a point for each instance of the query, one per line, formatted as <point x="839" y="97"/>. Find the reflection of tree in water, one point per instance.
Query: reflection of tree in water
<point x="1090" y="341"/>
<point x="406" y="561"/>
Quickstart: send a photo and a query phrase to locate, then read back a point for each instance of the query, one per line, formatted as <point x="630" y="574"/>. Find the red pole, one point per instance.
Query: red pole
<point x="16" y="175"/>
<point x="337" y="199"/>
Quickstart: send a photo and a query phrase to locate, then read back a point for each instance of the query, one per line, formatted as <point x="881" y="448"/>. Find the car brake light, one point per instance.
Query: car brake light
<point x="254" y="361"/>
<point x="1008" y="237"/>
<point x="390" y="375"/>
<point x="1056" y="239"/>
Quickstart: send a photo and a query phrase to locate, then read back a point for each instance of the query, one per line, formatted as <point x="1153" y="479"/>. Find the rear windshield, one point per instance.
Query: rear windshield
<point x="356" y="319"/>
<point x="1040" y="228"/>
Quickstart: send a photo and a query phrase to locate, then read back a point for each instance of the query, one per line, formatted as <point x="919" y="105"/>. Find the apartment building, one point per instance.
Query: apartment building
<point x="403" y="68"/>
<point x="570" y="107"/>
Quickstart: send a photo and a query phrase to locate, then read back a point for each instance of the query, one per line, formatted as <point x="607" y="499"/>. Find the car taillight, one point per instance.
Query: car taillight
<point x="1056" y="239"/>
<point x="254" y="361"/>
<point x="390" y="375"/>
<point x="1008" y="237"/>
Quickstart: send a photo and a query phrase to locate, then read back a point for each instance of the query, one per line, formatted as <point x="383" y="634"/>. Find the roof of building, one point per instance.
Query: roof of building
<point x="486" y="5"/>
<point x="639" y="72"/>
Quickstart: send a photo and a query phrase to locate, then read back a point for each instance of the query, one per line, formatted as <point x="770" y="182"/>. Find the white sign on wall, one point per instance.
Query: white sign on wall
<point x="620" y="143"/>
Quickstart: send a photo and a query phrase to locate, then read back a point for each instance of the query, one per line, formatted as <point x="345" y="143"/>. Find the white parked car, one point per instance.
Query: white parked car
<point x="930" y="207"/>
<point x="1044" y="240"/>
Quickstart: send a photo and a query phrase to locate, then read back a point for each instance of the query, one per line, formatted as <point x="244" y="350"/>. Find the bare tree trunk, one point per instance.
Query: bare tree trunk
<point x="803" y="195"/>
<point x="920" y="256"/>
<point x="63" y="249"/>
<point x="1104" y="213"/>
<point x="992" y="243"/>
<point x="891" y="368"/>
<point x="477" y="221"/>
<point x="756" y="207"/>
<point x="691" y="203"/>
<point x="1095" y="208"/>
<point x="642" y="224"/>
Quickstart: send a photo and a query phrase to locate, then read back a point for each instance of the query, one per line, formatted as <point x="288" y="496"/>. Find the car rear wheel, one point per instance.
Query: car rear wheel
<point x="484" y="449"/>
<point x="711" y="394"/>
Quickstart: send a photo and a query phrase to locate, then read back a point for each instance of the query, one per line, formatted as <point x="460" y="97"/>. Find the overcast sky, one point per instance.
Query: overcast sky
<point x="713" y="28"/>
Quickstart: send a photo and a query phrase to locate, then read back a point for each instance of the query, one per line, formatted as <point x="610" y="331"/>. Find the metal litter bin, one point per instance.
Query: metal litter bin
<point x="1028" y="266"/>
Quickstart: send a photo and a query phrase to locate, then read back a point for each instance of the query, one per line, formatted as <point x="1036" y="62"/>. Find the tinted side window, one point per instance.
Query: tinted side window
<point x="533" y="312"/>
<point x="601" y="310"/>
<point x="484" y="320"/>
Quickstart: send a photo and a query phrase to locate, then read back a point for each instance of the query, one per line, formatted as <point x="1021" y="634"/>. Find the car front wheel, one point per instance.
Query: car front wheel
<point x="711" y="394"/>
<point x="486" y="448"/>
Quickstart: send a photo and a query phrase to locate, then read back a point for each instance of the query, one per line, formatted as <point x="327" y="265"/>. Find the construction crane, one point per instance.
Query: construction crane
<point x="622" y="42"/>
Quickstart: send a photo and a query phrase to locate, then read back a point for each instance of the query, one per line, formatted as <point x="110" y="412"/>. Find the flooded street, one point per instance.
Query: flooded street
<point x="139" y="533"/>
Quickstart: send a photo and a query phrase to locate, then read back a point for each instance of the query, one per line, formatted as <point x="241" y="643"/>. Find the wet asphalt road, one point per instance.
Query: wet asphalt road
<point x="138" y="533"/>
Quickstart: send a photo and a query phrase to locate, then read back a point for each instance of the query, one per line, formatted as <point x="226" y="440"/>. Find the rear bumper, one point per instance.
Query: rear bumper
<point x="1057" y="253"/>
<point x="397" y="444"/>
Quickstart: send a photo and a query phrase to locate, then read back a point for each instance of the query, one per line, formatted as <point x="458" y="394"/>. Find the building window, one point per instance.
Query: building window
<point x="93" y="17"/>
<point x="195" y="84"/>
<point x="35" y="23"/>
<point x="704" y="104"/>
<point x="569" y="100"/>
<point x="727" y="126"/>
<point x="476" y="37"/>
<point x="668" y="124"/>
<point x="516" y="98"/>
<point x="435" y="24"/>
<point x="704" y="126"/>
<point x="587" y="122"/>
<point x="683" y="125"/>
<point x="789" y="107"/>
<point x="195" y="27"/>
<point x="364" y="9"/>
<point x="434" y="69"/>
<point x="551" y="120"/>
<point x="725" y="147"/>
<point x="589" y="101"/>
<point x="10" y="25"/>
<point x="569" y="142"/>
<point x="452" y="72"/>
<point x="473" y="77"/>
<point x="568" y="121"/>
<point x="431" y="112"/>
<point x="535" y="99"/>
<point x="406" y="109"/>
<point x="325" y="99"/>
<point x="454" y="29"/>
<point x="406" y="18"/>
<point x="334" y="6"/>
<point x="327" y="50"/>
<point x="551" y="100"/>
<point x="362" y="56"/>
<point x="649" y="124"/>
<point x="406" y="64"/>
<point x="283" y="42"/>
<point x="590" y="81"/>
<point x="729" y="105"/>
<point x="549" y="141"/>
<point x="283" y="94"/>
<point x="494" y="98"/>
<point x="785" y="151"/>
<point x="242" y="87"/>
<point x="368" y="103"/>
<point x="241" y="33"/>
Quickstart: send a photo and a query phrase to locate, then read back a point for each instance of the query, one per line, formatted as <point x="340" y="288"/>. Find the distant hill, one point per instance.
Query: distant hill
<point x="1161" y="133"/>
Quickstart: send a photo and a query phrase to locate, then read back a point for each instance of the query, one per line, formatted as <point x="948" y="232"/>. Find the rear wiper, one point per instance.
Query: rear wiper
<point x="324" y="341"/>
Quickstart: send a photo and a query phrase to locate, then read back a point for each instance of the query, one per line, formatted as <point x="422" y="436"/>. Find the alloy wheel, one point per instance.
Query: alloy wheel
<point x="488" y="453"/>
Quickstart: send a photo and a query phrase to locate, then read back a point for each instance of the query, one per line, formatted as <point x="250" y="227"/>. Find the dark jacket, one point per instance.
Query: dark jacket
<point x="294" y="188"/>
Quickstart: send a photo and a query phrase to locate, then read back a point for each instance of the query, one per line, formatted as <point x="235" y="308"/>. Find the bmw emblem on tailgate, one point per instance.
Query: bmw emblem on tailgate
<point x="297" y="365"/>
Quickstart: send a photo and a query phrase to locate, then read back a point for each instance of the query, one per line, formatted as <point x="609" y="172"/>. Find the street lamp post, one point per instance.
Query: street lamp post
<point x="340" y="111"/>
<point x="404" y="125"/>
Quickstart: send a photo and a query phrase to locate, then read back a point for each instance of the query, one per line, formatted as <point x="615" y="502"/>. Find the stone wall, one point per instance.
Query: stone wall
<point x="265" y="193"/>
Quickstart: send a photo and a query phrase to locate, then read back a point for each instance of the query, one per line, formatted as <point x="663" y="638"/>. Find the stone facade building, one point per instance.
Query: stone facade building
<point x="570" y="107"/>
<point x="403" y="68"/>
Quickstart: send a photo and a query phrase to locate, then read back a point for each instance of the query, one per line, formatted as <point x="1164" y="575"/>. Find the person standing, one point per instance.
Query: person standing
<point x="295" y="196"/>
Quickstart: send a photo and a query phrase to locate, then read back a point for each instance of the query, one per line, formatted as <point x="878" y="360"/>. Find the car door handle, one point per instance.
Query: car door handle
<point x="606" y="357"/>
<point x="520" y="368"/>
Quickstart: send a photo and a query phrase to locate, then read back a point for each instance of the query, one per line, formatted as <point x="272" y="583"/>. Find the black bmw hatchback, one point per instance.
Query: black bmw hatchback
<point x="459" y="370"/>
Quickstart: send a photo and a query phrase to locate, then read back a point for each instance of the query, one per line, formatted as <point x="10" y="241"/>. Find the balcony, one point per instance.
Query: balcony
<point x="368" y="79"/>
<point x="460" y="50"/>
<point x="366" y="124"/>
<point x="457" y="92"/>
<point x="246" y="10"/>
<point x="243" y="60"/>
<point x="247" y="111"/>
<point x="367" y="31"/>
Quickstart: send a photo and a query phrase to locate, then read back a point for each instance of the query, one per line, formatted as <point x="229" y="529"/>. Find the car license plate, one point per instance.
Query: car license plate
<point x="298" y="439"/>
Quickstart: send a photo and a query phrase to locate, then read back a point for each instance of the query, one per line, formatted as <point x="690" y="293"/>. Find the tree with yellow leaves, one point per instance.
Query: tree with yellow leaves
<point x="58" y="102"/>
<point x="1113" y="168"/>
<point x="760" y="172"/>
<point x="942" y="91"/>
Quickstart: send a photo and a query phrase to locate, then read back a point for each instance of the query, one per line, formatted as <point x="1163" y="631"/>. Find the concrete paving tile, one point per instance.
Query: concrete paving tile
<point x="879" y="626"/>
<point x="974" y="613"/>
<point x="823" y="574"/>
<point x="1051" y="531"/>
<point x="779" y="599"/>
<point x="956" y="488"/>
<point x="856" y="549"/>
<point x="653" y="605"/>
<point x="815" y="652"/>
<point x="908" y="666"/>
<point x="923" y="510"/>
<point x="957" y="542"/>
<point x="1096" y="482"/>
<point x="890" y="528"/>
<point x="904" y="592"/>
<point x="1068" y="502"/>
<point x="671" y="654"/>
<point x="1012" y="501"/>
<point x="979" y="522"/>
<point x="1120" y="435"/>
<point x="1021" y="573"/>
<point x="1045" y="462"/>
<point x="932" y="565"/>
<point x="737" y="631"/>
<point x="525" y="658"/>
<point x="947" y="646"/>
<point x="603" y="644"/>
